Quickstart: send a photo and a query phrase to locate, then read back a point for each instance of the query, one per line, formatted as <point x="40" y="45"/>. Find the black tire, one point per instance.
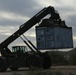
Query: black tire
<point x="3" y="64"/>
<point x="34" y="62"/>
<point x="47" y="62"/>
<point x="13" y="68"/>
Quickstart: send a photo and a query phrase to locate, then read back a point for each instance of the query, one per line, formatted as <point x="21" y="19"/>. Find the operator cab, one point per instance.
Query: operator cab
<point x="19" y="49"/>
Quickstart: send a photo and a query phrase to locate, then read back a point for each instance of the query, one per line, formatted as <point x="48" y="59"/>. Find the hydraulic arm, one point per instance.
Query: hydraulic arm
<point x="26" y="26"/>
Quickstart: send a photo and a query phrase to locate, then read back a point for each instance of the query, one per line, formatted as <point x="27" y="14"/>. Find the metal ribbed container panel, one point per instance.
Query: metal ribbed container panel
<point x="54" y="37"/>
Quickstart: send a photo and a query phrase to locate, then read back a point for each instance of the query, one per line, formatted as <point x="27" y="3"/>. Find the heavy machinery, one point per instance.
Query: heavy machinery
<point x="34" y="58"/>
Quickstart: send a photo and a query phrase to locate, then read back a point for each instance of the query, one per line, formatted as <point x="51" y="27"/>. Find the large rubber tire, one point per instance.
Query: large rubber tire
<point x="34" y="62"/>
<point x="3" y="64"/>
<point x="47" y="62"/>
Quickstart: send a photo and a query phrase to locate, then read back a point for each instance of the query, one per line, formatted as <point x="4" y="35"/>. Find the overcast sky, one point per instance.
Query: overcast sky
<point x="13" y="13"/>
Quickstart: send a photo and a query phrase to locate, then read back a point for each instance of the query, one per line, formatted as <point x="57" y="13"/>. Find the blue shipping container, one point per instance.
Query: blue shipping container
<point x="54" y="38"/>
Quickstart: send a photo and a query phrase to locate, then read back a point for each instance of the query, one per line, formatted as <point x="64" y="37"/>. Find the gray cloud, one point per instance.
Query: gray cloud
<point x="18" y="7"/>
<point x="65" y="9"/>
<point x="71" y="22"/>
<point x="21" y="7"/>
<point x="10" y="22"/>
<point x="72" y="19"/>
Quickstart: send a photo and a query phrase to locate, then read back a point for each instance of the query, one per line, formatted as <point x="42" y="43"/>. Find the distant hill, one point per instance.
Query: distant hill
<point x="63" y="58"/>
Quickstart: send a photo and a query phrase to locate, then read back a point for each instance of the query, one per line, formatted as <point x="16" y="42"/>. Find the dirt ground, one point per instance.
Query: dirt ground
<point x="54" y="70"/>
